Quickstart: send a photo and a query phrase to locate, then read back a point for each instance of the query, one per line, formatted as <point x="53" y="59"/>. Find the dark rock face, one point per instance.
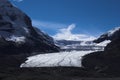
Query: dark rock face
<point x="17" y="35"/>
<point x="107" y="61"/>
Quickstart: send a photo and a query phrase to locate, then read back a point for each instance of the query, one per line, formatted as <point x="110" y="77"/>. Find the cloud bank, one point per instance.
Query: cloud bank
<point x="62" y="32"/>
<point x="66" y="34"/>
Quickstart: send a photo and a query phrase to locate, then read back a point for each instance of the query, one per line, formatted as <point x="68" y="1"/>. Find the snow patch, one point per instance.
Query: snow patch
<point x="16" y="39"/>
<point x="26" y="30"/>
<point x="104" y="43"/>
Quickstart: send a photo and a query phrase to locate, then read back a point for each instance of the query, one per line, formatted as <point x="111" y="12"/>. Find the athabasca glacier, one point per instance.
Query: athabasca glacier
<point x="66" y="59"/>
<point x="72" y="59"/>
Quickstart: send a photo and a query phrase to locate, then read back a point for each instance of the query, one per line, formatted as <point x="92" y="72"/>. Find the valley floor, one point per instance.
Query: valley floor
<point x="54" y="73"/>
<point x="9" y="70"/>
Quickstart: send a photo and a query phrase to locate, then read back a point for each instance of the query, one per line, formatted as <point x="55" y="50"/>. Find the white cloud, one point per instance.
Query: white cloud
<point x="18" y="0"/>
<point x="66" y="34"/>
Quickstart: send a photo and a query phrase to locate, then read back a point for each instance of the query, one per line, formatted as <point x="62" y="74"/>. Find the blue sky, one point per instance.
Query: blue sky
<point x="90" y="17"/>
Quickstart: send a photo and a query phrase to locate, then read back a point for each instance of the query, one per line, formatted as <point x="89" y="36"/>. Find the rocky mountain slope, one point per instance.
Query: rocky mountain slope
<point x="106" y="61"/>
<point x="18" y="38"/>
<point x="17" y="35"/>
<point x="110" y="35"/>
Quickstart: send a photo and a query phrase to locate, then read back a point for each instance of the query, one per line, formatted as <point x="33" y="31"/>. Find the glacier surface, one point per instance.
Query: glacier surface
<point x="68" y="59"/>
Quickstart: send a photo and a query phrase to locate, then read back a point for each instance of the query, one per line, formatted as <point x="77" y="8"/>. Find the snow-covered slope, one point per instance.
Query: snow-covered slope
<point x="103" y="43"/>
<point x="68" y="45"/>
<point x="110" y="35"/>
<point x="72" y="59"/>
<point x="112" y="32"/>
<point x="17" y="34"/>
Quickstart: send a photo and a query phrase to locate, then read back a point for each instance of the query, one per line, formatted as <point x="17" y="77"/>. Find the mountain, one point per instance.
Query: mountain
<point x="110" y="35"/>
<point x="68" y="45"/>
<point x="106" y="61"/>
<point x="17" y="35"/>
<point x="18" y="38"/>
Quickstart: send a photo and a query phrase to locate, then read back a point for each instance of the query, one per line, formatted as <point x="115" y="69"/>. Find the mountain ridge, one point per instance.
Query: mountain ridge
<point x="110" y="35"/>
<point x="106" y="61"/>
<point x="18" y="35"/>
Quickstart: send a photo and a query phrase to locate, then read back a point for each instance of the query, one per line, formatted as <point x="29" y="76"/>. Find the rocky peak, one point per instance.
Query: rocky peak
<point x="110" y="35"/>
<point x="18" y="34"/>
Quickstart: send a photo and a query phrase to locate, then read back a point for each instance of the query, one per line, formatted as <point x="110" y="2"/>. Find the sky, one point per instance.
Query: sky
<point x="75" y="18"/>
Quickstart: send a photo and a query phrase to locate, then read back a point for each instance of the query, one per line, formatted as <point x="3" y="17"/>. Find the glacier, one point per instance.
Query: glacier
<point x="68" y="59"/>
<point x="63" y="58"/>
